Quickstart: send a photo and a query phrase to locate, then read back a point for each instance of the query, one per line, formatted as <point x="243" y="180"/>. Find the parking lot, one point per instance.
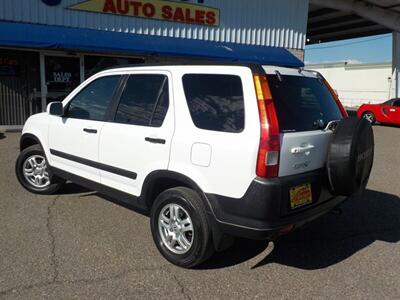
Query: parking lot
<point x="78" y="244"/>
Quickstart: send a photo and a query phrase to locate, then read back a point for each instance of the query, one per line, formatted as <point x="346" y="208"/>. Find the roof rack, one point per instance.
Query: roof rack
<point x="191" y="62"/>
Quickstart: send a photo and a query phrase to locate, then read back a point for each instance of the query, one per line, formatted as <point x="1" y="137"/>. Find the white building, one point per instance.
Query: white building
<point x="359" y="83"/>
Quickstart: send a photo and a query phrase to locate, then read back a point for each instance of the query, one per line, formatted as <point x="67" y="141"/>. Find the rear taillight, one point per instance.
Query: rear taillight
<point x="269" y="149"/>
<point x="335" y="96"/>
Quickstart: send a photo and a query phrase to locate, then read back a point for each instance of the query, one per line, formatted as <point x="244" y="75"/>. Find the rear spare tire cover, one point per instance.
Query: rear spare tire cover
<point x="350" y="156"/>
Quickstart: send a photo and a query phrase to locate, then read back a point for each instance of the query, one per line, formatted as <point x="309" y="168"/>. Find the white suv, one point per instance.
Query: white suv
<point x="211" y="150"/>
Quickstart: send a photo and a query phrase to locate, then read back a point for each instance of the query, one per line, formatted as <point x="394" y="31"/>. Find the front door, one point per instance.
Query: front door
<point x="61" y="76"/>
<point x="394" y="112"/>
<point x="138" y="140"/>
<point x="74" y="138"/>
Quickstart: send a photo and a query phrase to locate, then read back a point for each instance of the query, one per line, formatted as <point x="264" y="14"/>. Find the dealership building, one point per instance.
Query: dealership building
<point x="48" y="47"/>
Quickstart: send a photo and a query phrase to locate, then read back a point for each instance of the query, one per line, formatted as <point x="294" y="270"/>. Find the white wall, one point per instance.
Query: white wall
<point x="358" y="83"/>
<point x="279" y="23"/>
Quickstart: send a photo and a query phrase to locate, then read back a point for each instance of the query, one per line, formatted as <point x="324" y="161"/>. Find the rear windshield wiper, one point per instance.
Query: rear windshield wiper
<point x="278" y="74"/>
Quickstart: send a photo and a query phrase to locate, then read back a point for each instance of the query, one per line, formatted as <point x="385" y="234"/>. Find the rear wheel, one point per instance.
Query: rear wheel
<point x="369" y="116"/>
<point x="33" y="172"/>
<point x="180" y="228"/>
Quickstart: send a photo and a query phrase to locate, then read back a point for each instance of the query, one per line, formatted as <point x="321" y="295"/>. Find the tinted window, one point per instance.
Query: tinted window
<point x="91" y="103"/>
<point x="396" y="103"/>
<point x="144" y="101"/>
<point x="302" y="102"/>
<point x="215" y="101"/>
<point x="389" y="102"/>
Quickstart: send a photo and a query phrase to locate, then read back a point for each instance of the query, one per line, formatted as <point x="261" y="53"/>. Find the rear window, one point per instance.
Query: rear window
<point x="302" y="103"/>
<point x="215" y="101"/>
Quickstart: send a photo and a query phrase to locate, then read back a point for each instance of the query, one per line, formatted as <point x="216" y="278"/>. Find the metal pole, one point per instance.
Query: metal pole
<point x="396" y="62"/>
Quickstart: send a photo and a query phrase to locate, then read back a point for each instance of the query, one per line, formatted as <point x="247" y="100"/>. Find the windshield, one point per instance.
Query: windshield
<point x="302" y="103"/>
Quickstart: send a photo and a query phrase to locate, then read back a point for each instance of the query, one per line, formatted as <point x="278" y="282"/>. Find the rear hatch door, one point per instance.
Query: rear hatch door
<point x="304" y="107"/>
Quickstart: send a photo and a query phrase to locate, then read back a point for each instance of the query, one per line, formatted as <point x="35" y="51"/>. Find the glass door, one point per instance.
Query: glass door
<point x="60" y="75"/>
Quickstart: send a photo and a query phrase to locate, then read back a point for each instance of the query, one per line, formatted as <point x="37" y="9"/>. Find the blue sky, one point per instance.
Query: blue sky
<point x="367" y="50"/>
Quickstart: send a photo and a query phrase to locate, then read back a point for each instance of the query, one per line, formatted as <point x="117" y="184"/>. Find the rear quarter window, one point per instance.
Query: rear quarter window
<point x="215" y="102"/>
<point x="301" y="103"/>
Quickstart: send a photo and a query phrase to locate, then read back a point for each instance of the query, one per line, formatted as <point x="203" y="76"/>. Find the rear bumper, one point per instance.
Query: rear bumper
<point x="264" y="211"/>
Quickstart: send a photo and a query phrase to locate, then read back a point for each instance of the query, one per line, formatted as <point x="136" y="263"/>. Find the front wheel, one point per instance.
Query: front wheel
<point x="180" y="228"/>
<point x="33" y="172"/>
<point x="370" y="117"/>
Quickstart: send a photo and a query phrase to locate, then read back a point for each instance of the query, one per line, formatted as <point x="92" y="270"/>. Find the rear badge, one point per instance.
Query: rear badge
<point x="302" y="165"/>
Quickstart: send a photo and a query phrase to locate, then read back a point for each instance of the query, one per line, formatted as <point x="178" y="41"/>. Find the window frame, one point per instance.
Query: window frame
<point x="78" y="91"/>
<point x="215" y="74"/>
<point x="117" y="98"/>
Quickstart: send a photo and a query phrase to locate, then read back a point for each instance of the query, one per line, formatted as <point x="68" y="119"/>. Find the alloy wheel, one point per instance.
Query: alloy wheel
<point x="176" y="228"/>
<point x="35" y="171"/>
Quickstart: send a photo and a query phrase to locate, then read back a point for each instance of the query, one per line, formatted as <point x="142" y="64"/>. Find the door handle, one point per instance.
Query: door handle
<point x="302" y="149"/>
<point x="392" y="110"/>
<point x="154" y="140"/>
<point x="89" y="130"/>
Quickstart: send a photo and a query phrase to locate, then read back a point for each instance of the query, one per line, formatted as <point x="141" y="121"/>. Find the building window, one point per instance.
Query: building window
<point x="20" y="94"/>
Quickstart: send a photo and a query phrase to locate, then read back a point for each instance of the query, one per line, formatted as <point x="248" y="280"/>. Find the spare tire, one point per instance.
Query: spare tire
<point x="350" y="156"/>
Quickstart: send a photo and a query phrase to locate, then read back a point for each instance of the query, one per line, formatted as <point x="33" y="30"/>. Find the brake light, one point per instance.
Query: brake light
<point x="269" y="149"/>
<point x="335" y="96"/>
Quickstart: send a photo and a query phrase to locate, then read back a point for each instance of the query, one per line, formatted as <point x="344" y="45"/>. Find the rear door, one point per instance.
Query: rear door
<point x="304" y="107"/>
<point x="138" y="139"/>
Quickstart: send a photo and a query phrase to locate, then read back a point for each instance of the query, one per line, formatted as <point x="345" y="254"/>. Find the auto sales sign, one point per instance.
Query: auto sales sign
<point x="154" y="9"/>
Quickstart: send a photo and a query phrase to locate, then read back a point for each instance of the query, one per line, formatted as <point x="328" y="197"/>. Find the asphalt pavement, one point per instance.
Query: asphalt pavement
<point x="78" y="244"/>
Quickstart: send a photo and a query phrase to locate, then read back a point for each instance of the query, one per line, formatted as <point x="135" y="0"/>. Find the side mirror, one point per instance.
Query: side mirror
<point x="55" y="109"/>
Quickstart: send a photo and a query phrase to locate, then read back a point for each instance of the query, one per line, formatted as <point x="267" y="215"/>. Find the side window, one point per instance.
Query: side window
<point x="144" y="101"/>
<point x="215" y="101"/>
<point x="396" y="103"/>
<point x="389" y="102"/>
<point x="92" y="101"/>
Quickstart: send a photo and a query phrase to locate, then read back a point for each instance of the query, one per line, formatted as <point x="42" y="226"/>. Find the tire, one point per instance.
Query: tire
<point x="369" y="116"/>
<point x="46" y="187"/>
<point x="350" y="156"/>
<point x="187" y="203"/>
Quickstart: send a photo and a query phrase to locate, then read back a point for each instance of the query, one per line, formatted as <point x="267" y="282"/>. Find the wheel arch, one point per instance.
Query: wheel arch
<point x="160" y="180"/>
<point x="27" y="140"/>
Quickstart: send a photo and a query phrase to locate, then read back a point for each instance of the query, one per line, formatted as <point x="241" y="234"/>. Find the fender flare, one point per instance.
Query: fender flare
<point x="27" y="136"/>
<point x="166" y="174"/>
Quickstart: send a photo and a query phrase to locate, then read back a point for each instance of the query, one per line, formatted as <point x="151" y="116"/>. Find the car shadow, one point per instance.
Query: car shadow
<point x="70" y="188"/>
<point x="118" y="202"/>
<point x="328" y="240"/>
<point x="387" y="125"/>
<point x="364" y="219"/>
<point x="2" y="136"/>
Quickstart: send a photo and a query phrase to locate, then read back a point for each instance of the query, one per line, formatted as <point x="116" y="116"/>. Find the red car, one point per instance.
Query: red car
<point x="385" y="113"/>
